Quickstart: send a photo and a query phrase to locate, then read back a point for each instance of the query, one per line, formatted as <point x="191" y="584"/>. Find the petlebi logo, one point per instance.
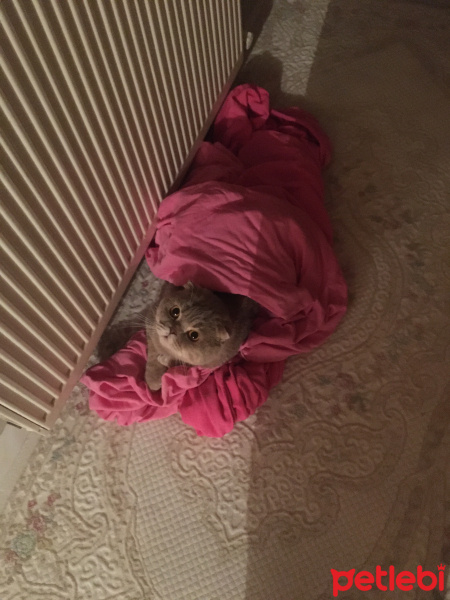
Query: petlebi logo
<point x="388" y="580"/>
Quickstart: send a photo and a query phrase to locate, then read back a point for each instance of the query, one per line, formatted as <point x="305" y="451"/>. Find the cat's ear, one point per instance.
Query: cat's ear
<point x="223" y="333"/>
<point x="188" y="285"/>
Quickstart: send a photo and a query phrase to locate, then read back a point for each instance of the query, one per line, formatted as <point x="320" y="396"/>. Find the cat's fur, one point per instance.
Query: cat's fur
<point x="220" y="322"/>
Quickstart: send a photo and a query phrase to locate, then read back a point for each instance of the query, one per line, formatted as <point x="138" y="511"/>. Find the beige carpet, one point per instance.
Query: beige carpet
<point x="347" y="465"/>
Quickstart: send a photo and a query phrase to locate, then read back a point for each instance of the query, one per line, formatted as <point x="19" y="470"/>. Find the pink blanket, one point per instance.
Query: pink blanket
<point x="249" y="220"/>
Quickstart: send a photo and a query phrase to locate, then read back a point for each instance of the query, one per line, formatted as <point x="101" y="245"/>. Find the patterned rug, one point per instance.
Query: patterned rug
<point x="347" y="465"/>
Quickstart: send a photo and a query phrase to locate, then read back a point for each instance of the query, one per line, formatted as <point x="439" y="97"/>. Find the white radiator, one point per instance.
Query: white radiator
<point x="104" y="104"/>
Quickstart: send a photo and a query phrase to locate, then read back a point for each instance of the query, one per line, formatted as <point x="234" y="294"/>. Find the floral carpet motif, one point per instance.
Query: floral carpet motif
<point x="68" y="529"/>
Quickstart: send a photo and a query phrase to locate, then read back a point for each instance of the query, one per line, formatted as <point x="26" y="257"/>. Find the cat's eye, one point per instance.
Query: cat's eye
<point x="174" y="312"/>
<point x="193" y="336"/>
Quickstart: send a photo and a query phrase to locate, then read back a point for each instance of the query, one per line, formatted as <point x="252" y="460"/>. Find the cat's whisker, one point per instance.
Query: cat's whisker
<point x="142" y="318"/>
<point x="185" y="366"/>
<point x="126" y="326"/>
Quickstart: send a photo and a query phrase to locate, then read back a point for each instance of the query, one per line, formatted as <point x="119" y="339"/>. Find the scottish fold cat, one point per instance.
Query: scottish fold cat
<point x="193" y="326"/>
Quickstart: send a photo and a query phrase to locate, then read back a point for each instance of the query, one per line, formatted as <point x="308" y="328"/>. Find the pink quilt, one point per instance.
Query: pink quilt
<point x="250" y="220"/>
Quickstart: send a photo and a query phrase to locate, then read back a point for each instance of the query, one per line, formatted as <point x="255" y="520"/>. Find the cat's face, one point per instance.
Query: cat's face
<point x="192" y="325"/>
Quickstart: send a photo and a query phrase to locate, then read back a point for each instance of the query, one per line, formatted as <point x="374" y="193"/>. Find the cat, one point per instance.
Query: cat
<point x="192" y="326"/>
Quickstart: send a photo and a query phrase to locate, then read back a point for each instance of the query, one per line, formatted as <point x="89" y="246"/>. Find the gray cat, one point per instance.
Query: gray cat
<point x="193" y="326"/>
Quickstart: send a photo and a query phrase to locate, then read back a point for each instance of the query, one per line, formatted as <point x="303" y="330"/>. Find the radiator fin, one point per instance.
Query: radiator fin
<point x="104" y="104"/>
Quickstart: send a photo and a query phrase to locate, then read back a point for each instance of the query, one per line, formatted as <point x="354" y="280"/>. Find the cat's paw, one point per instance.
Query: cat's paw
<point x="154" y="383"/>
<point x="163" y="359"/>
<point x="153" y="376"/>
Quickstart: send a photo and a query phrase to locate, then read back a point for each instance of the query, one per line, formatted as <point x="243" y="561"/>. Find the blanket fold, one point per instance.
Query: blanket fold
<point x="249" y="219"/>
